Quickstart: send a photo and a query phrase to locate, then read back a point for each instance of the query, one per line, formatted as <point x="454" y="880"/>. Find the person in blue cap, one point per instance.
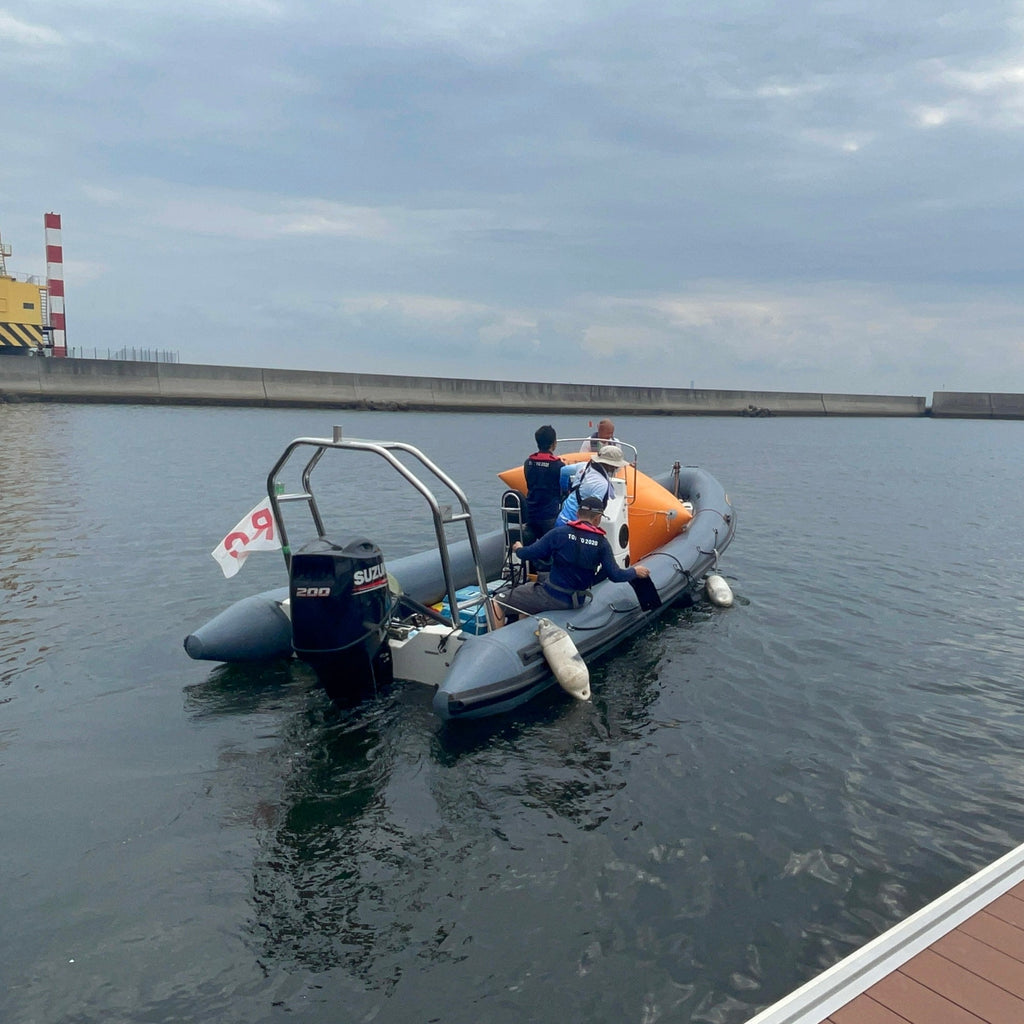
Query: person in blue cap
<point x="576" y="550"/>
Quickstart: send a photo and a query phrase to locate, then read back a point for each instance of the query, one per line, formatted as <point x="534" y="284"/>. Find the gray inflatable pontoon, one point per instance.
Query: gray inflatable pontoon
<point x="361" y="623"/>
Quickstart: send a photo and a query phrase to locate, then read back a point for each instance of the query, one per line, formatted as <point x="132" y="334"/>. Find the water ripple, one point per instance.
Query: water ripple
<point x="750" y="795"/>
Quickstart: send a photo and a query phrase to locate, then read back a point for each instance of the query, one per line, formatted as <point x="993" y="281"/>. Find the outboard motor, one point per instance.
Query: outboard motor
<point x="340" y="605"/>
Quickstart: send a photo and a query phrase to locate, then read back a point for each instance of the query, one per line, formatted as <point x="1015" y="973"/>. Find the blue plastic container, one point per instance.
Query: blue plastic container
<point x="473" y="618"/>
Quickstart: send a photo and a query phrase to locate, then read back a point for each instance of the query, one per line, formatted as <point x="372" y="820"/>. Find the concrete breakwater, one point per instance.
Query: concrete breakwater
<point x="977" y="405"/>
<point x="109" y="380"/>
<point x="106" y="380"/>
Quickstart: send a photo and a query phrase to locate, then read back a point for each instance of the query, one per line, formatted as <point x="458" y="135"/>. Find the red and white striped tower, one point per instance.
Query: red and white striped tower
<point x="55" y="283"/>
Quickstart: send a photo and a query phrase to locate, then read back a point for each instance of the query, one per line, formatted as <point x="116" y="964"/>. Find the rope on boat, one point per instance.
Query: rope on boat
<point x="665" y="554"/>
<point x="572" y="627"/>
<point x="516" y="573"/>
<point x="707" y="508"/>
<point x="713" y="551"/>
<point x="679" y="565"/>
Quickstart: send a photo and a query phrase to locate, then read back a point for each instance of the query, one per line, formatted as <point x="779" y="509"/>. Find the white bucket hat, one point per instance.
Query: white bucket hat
<point x="610" y="455"/>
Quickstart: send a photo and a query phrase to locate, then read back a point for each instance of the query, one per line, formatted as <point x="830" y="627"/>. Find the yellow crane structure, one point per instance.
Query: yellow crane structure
<point x="26" y="322"/>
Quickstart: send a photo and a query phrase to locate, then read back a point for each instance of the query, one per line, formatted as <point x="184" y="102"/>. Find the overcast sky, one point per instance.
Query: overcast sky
<point x="808" y="196"/>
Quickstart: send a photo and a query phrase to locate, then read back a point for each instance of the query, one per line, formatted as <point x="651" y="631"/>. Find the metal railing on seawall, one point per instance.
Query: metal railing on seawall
<point x="126" y="354"/>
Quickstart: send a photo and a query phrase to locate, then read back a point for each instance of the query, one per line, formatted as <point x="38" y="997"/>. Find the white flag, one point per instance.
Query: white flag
<point x="256" y="532"/>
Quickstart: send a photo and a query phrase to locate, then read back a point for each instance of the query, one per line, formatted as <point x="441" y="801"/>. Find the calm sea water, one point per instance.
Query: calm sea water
<point x="752" y="793"/>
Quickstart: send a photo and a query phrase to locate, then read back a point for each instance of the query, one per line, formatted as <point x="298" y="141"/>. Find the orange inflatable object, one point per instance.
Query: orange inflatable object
<point x="655" y="515"/>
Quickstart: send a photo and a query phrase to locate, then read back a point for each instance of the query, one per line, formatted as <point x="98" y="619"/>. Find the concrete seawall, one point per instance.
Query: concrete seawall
<point x="977" y="405"/>
<point x="104" y="380"/>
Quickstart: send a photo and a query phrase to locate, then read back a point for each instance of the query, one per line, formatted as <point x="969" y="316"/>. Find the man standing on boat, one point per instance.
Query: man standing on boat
<point x="592" y="480"/>
<point x="605" y="434"/>
<point x="543" y="472"/>
<point x="577" y="550"/>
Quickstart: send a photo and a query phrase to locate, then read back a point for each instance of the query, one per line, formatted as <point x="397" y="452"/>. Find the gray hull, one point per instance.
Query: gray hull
<point x="495" y="672"/>
<point x="258" y="629"/>
<point x="498" y="671"/>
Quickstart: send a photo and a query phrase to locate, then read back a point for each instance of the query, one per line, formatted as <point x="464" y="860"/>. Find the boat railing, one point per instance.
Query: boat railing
<point x="513" y="522"/>
<point x="441" y="514"/>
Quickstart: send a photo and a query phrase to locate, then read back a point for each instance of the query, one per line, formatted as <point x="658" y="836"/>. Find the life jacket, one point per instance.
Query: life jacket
<point x="588" y="527"/>
<point x="542" y="472"/>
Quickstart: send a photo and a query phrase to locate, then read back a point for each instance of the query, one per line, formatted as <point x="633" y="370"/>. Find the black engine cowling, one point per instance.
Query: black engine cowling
<point x="340" y="607"/>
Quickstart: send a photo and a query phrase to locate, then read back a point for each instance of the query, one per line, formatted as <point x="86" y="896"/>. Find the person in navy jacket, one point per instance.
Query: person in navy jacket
<point x="577" y="550"/>
<point x="543" y="472"/>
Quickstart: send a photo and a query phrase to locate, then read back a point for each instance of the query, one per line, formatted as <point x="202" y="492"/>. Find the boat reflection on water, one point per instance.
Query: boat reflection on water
<point x="387" y="841"/>
<point x="240" y="689"/>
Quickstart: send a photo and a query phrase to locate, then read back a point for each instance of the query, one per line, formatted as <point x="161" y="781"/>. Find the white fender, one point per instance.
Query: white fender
<point x="719" y="592"/>
<point x="568" y="667"/>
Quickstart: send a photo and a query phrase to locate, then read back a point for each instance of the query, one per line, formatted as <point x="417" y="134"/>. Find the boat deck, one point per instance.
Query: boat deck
<point x="960" y="960"/>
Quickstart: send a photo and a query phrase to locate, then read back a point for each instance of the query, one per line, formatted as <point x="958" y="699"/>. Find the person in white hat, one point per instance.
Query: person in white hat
<point x="592" y="480"/>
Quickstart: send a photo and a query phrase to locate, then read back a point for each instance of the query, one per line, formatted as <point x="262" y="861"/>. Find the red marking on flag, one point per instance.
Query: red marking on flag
<point x="263" y="522"/>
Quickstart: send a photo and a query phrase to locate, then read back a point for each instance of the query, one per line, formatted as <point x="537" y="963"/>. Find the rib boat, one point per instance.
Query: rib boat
<point x="362" y="621"/>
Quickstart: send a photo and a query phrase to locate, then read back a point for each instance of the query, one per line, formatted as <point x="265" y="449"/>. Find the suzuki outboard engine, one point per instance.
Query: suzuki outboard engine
<point x="340" y="605"/>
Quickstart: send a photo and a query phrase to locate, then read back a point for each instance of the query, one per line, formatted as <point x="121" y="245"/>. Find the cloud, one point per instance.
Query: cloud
<point x="227" y="217"/>
<point x="993" y="96"/>
<point x="102" y="195"/>
<point x="811" y="195"/>
<point x="425" y="309"/>
<point x="777" y="90"/>
<point x="16" y="34"/>
<point x="800" y="334"/>
<point x="236" y="215"/>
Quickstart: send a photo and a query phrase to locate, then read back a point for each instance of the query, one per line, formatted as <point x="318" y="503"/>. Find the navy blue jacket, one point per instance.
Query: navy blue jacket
<point x="576" y="551"/>
<point x="543" y="487"/>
